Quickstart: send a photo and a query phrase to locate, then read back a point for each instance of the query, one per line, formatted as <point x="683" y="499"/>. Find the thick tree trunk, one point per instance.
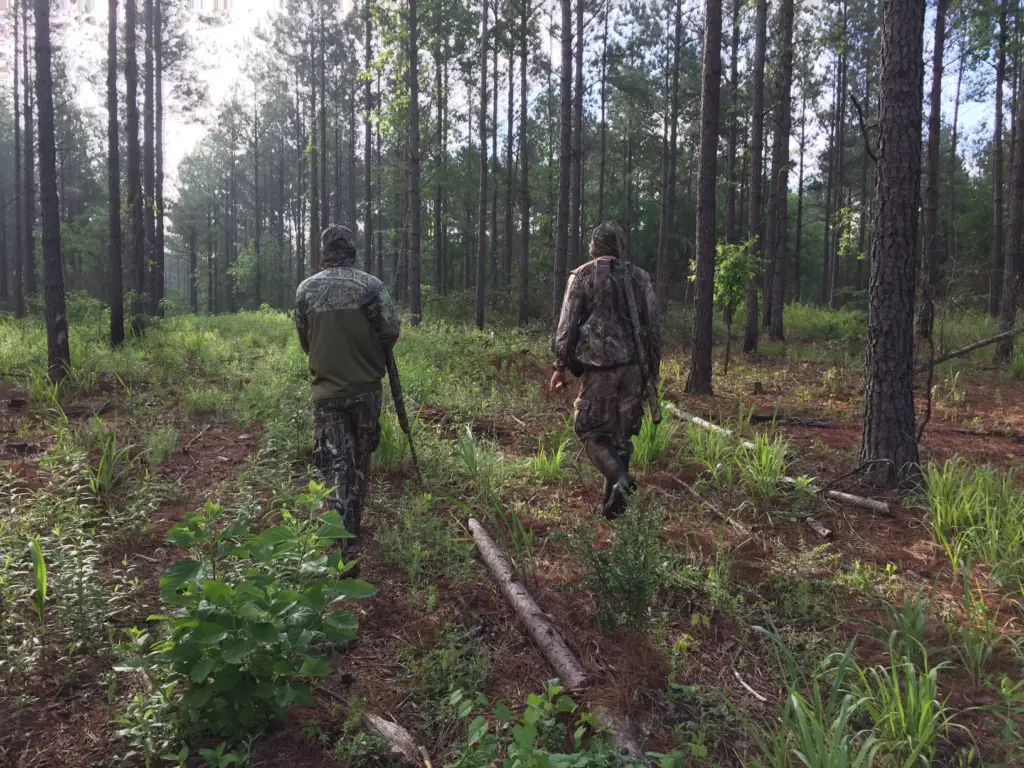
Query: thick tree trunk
<point x="524" y="170"/>
<point x="115" y="291"/>
<point x="481" y="246"/>
<point x="576" y="255"/>
<point x="58" y="353"/>
<point x="699" y="381"/>
<point x="19" y="241"/>
<point x="667" y="254"/>
<point x="29" y="209"/>
<point x="322" y="147"/>
<point x="368" y="147"/>
<point x="779" y="204"/>
<point x="933" y="249"/>
<point x="149" y="157"/>
<point x="1012" y="265"/>
<point x="564" y="164"/>
<point x="731" y="234"/>
<point x="158" y="151"/>
<point x="415" y="306"/>
<point x="137" y="257"/>
<point x="889" y="446"/>
<point x="754" y="233"/>
<point x="797" y="278"/>
<point x="996" y="262"/>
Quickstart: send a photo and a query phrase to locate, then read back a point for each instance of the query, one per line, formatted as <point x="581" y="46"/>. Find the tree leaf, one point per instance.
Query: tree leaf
<point x="314" y="666"/>
<point x="217" y="592"/>
<point x="202" y="670"/>
<point x="178" y="574"/>
<point x="355" y="589"/>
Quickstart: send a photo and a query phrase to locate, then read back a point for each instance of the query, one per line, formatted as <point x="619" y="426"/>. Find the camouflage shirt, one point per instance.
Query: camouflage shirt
<point x="594" y="330"/>
<point x="333" y="311"/>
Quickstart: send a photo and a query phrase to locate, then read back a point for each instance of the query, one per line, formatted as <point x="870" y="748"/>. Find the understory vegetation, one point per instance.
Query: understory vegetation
<point x="172" y="592"/>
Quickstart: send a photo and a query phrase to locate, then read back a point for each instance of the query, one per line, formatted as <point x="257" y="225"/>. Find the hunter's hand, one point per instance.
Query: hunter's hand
<point x="557" y="381"/>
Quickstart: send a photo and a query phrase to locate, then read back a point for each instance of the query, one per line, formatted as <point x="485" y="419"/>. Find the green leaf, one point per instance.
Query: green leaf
<point x="502" y="713"/>
<point x="355" y="589"/>
<point x="233" y="651"/>
<point x="314" y="666"/>
<point x="202" y="670"/>
<point x="217" y="592"/>
<point x="333" y="527"/>
<point x="265" y="632"/>
<point x="178" y="574"/>
<point x="300" y="695"/>
<point x="277" y="535"/>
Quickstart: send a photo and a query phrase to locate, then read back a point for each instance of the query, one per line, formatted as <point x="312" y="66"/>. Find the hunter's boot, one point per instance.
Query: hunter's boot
<point x="617" y="479"/>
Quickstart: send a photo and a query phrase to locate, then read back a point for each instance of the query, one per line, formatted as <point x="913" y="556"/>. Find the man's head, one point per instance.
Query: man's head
<point x="338" y="245"/>
<point x="607" y="239"/>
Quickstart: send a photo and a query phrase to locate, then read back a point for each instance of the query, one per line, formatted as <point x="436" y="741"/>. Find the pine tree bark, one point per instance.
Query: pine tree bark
<point x="840" y="148"/>
<point x="889" y="445"/>
<point x="115" y="295"/>
<point x="510" y="173"/>
<point x="315" y="227"/>
<point x="368" y="147"/>
<point x="829" y="186"/>
<point x="58" y="353"/>
<point x="699" y="381"/>
<point x="481" y="246"/>
<point x="797" y="277"/>
<point x="193" y="269"/>
<point x="439" y="173"/>
<point x="19" y="241"/>
<point x="933" y="249"/>
<point x="524" y="170"/>
<point x="755" y="169"/>
<point x="257" y="204"/>
<point x="322" y="147"/>
<point x="299" y="207"/>
<point x="149" y="156"/>
<point x="496" y="276"/>
<point x="604" y="116"/>
<point x="1012" y="265"/>
<point x="667" y="253"/>
<point x="731" y="235"/>
<point x="564" y="163"/>
<point x="29" y="208"/>
<point x="576" y="256"/>
<point x="415" y="305"/>
<point x="995" y="272"/>
<point x="778" y="212"/>
<point x="158" y="150"/>
<point x="137" y="258"/>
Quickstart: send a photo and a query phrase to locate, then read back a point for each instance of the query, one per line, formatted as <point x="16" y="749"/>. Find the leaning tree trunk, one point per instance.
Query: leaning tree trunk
<point x="58" y="353"/>
<point x="137" y="257"/>
<point x="699" y="381"/>
<point x="779" y="205"/>
<point x="1012" y="266"/>
<point x="889" y="445"/>
<point x="115" y="290"/>
<point x="995" y="275"/>
<point x="755" y="169"/>
<point x="564" y="164"/>
<point x="481" y="245"/>
<point x="932" y="245"/>
<point x="415" y="307"/>
<point x="524" y="171"/>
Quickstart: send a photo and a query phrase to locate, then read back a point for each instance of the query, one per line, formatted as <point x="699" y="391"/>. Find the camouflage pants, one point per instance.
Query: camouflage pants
<point x="610" y="407"/>
<point x="346" y="432"/>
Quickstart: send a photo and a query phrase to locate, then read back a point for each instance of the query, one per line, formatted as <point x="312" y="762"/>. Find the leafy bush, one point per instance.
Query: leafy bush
<point x="253" y="617"/>
<point x="629" y="574"/>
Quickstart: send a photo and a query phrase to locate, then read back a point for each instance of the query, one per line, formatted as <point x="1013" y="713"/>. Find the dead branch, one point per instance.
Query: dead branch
<point x="402" y="743"/>
<point x="967" y="350"/>
<point x="864" y="130"/>
<point x="760" y="697"/>
<point x="818" y="528"/>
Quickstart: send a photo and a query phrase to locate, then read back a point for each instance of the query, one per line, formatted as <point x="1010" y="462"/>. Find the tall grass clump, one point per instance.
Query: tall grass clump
<point x="714" y="451"/>
<point x="762" y="465"/>
<point x="978" y="516"/>
<point x="653" y="441"/>
<point x="549" y="465"/>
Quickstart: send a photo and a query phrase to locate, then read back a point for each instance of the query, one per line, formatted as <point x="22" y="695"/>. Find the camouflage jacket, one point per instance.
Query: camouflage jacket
<point x="347" y="349"/>
<point x="594" y="330"/>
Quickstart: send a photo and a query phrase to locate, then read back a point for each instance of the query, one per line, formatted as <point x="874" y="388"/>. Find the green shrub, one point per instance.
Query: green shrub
<point x="254" y="616"/>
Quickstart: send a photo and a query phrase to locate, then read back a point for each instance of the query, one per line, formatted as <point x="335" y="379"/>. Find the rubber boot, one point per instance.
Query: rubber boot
<point x="610" y="464"/>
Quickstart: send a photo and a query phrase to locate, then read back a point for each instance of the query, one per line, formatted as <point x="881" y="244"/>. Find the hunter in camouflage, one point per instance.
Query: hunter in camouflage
<point x="594" y="340"/>
<point x="346" y="323"/>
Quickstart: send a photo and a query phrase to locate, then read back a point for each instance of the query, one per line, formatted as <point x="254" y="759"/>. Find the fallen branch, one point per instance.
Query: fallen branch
<point x="740" y="527"/>
<point x="763" y="699"/>
<point x="199" y="434"/>
<point x="848" y="499"/>
<point x="548" y="640"/>
<point x="402" y="743"/>
<point x="967" y="350"/>
<point x="818" y="528"/>
<point x="790" y="421"/>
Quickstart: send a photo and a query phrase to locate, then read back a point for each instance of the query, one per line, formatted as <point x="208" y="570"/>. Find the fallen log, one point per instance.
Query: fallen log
<point x="967" y="350"/>
<point x="848" y="499"/>
<point x="549" y="641"/>
<point x="402" y="743"/>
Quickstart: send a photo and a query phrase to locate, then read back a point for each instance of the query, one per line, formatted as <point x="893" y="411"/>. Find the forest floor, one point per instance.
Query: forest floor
<point x="709" y="638"/>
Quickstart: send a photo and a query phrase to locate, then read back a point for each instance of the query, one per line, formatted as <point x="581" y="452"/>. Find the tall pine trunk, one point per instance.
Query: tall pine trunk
<point x="699" y="381"/>
<point x="496" y="277"/>
<point x="322" y="147"/>
<point x="797" y="277"/>
<point x="778" y="212"/>
<point x="439" y="174"/>
<point x="996" y="260"/>
<point x="933" y="249"/>
<point x="837" y="229"/>
<point x="19" y="242"/>
<point x="524" y="171"/>
<point x="667" y="252"/>
<point x="158" y="150"/>
<point x="149" y="156"/>
<point x="1012" y="265"/>
<point x="137" y="256"/>
<point x="731" y="235"/>
<point x="576" y="172"/>
<point x="481" y="245"/>
<point x="314" y="161"/>
<point x="58" y="353"/>
<point x="29" y="208"/>
<point x="604" y="116"/>
<point x="564" y="163"/>
<point x="889" y="445"/>
<point x="754" y="233"/>
<point x="829" y="186"/>
<point x="368" y="147"/>
<point x="115" y="291"/>
<point x="510" y="173"/>
<point x="415" y="307"/>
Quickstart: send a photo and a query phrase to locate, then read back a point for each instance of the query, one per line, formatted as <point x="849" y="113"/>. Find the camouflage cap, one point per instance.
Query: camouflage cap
<point x="609" y="239"/>
<point x="337" y="238"/>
